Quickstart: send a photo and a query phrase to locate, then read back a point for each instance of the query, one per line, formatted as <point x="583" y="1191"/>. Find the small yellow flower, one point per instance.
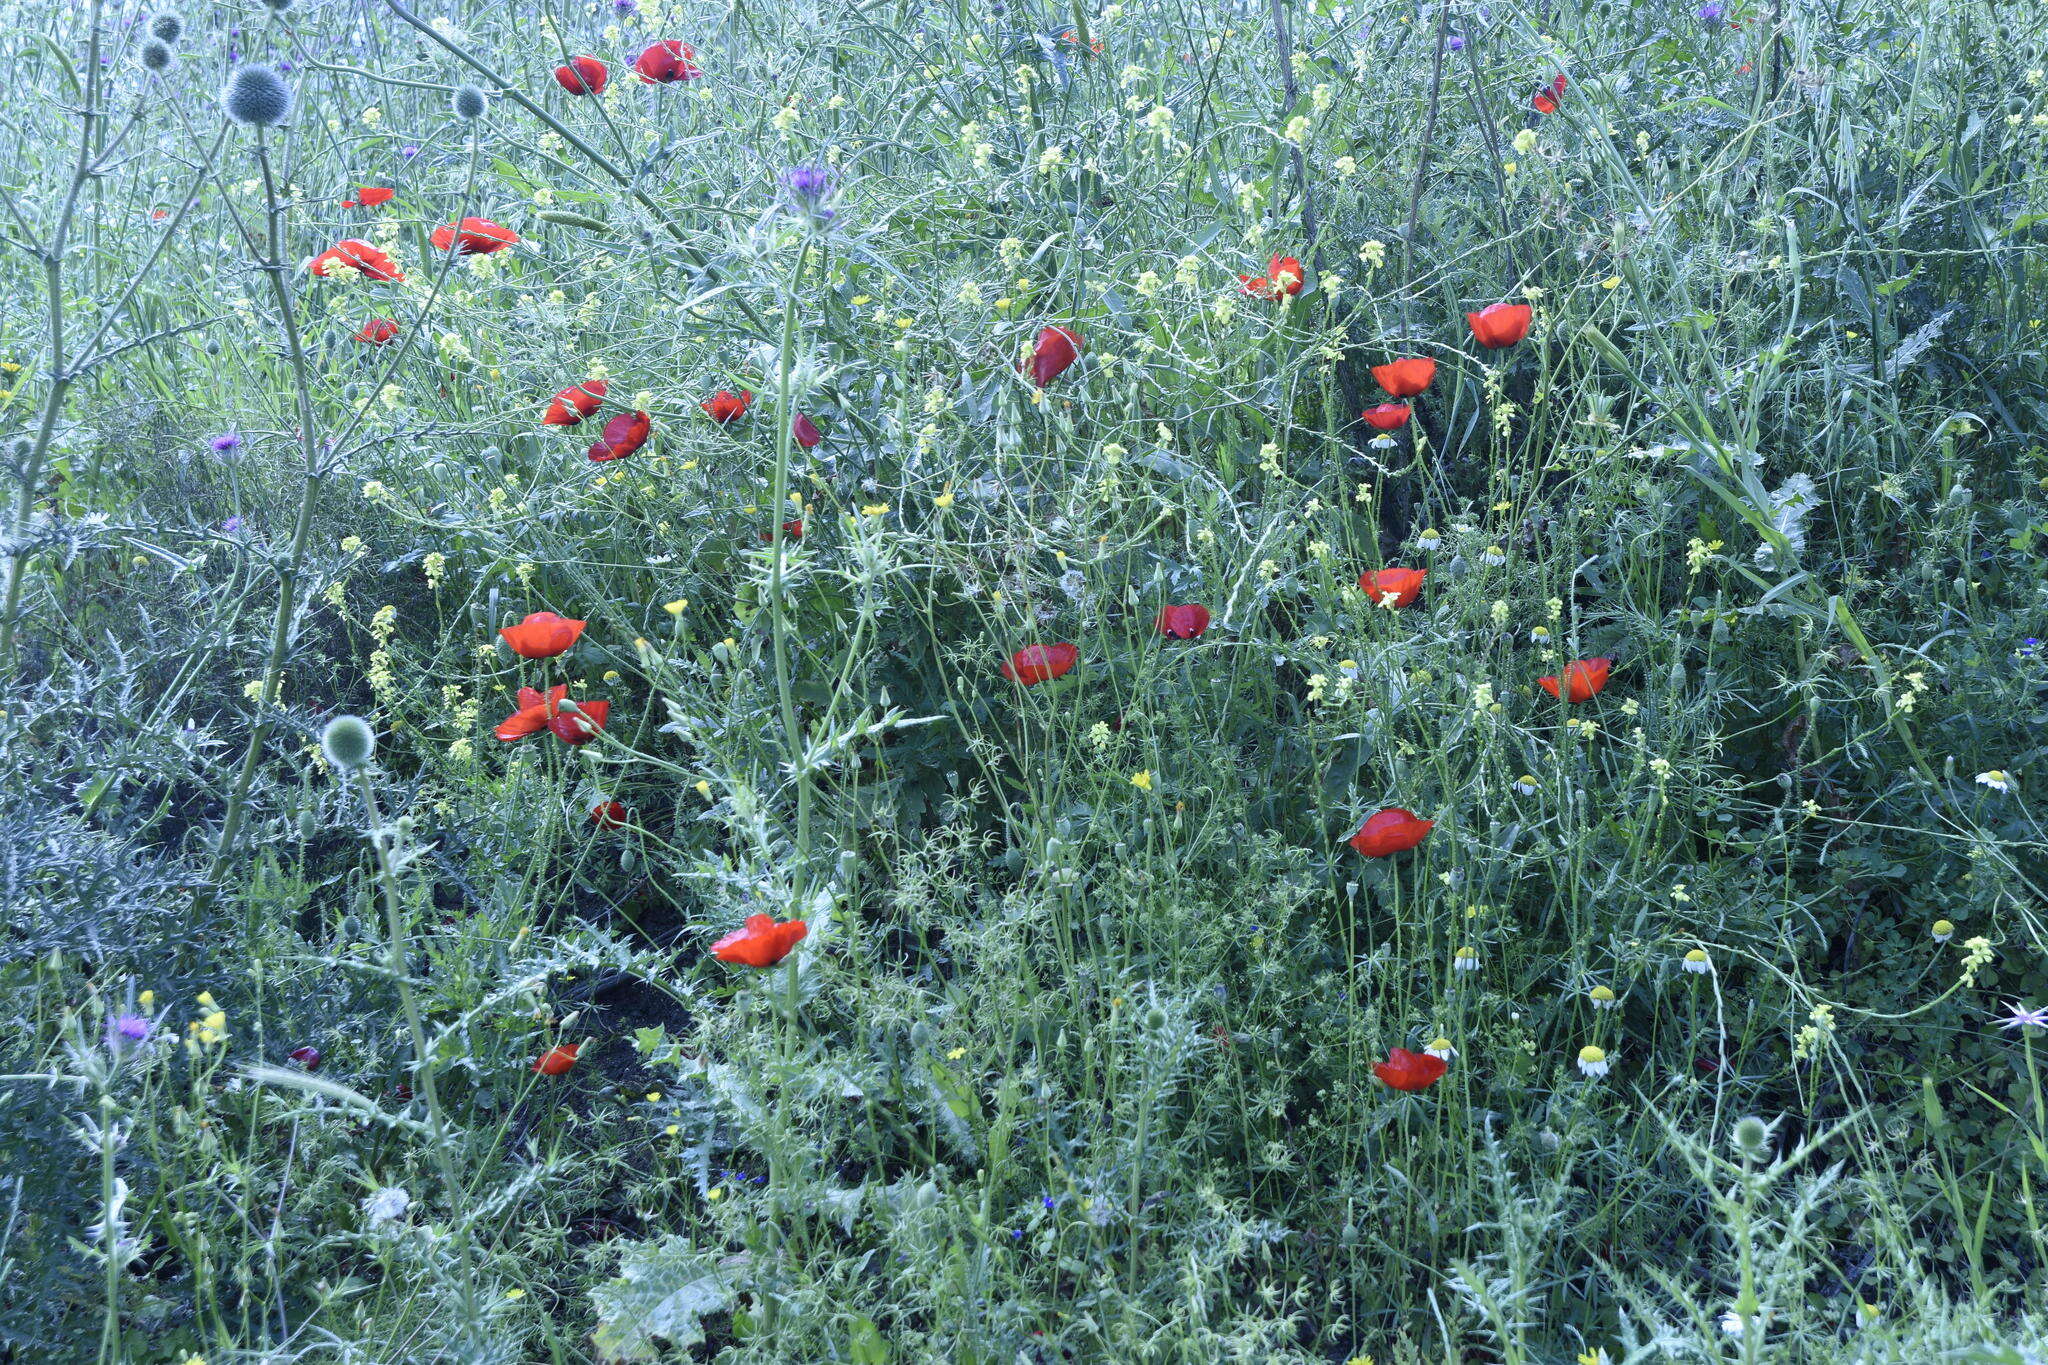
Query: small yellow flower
<point x="1611" y="282"/>
<point x="956" y="1054"/>
<point x="1142" y="780"/>
<point x="944" y="499"/>
<point x="874" y="509"/>
<point x="677" y="607"/>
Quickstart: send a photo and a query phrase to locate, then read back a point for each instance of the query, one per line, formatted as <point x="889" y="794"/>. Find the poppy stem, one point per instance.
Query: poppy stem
<point x="1436" y="86"/>
<point x="778" y="612"/>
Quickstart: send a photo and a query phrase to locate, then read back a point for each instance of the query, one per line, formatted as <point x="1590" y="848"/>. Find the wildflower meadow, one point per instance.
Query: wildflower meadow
<point x="886" y="681"/>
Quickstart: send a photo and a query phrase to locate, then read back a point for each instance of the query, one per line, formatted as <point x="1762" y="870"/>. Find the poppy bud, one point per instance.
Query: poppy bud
<point x="309" y="824"/>
<point x="307" y="1057"/>
<point x="468" y="102"/>
<point x="805" y="431"/>
<point x="256" y="97"/>
<point x="167" y="28"/>
<point x="155" y="57"/>
<point x="348" y="742"/>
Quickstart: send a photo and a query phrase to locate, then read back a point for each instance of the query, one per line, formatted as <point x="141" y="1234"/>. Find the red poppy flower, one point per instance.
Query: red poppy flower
<point x="574" y="403"/>
<point x="377" y="331"/>
<point x="623" y="435"/>
<point x="1041" y="663"/>
<point x="804" y="431"/>
<point x="307" y="1057"/>
<point x="542" y="635"/>
<point x="1386" y="416"/>
<point x="1404" y="585"/>
<point x="1583" y="678"/>
<point x="1406" y="377"/>
<point x="724" y="406"/>
<point x="369" y="197"/>
<point x="581" y="725"/>
<point x="1546" y="97"/>
<point x="1405" y="1070"/>
<point x="583" y="76"/>
<point x="1057" y="348"/>
<point x="1499" y="325"/>
<point x="1283" y="278"/>
<point x="557" y="1059"/>
<point x="473" y="237"/>
<point x="667" y="61"/>
<point x="1390" y="831"/>
<point x="359" y="255"/>
<point x="761" y="942"/>
<point x="791" y="530"/>
<point x="1183" y="623"/>
<point x="608" y="814"/>
<point x="532" y="716"/>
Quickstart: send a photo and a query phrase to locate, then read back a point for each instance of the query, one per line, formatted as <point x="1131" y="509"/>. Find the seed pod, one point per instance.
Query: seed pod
<point x="574" y="220"/>
<point x="348" y="742"/>
<point x="256" y="97"/>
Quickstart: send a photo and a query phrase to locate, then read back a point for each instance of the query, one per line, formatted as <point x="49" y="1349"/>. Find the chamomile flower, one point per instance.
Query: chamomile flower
<point x="1592" y="1061"/>
<point x="1696" y="962"/>
<point x="1998" y="779"/>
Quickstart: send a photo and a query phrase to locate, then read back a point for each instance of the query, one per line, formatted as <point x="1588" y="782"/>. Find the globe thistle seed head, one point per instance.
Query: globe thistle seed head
<point x="155" y="56"/>
<point x="348" y="742"/>
<point x="167" y="27"/>
<point x="256" y="97"/>
<point x="468" y="102"/>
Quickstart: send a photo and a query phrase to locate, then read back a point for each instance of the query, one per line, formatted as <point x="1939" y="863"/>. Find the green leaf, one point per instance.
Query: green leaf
<point x="663" y="1292"/>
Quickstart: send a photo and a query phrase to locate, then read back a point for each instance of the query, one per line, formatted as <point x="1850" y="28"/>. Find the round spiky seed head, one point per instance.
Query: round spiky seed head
<point x="156" y="56"/>
<point x="1752" y="1136"/>
<point x="167" y="27"/>
<point x="469" y="102"/>
<point x="256" y="97"/>
<point x="347" y="742"/>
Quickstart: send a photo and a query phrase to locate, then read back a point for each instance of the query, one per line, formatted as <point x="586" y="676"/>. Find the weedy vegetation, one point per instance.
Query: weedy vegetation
<point x="883" y="681"/>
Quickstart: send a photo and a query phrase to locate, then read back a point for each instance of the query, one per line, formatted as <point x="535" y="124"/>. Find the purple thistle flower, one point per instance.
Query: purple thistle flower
<point x="808" y="187"/>
<point x="408" y="152"/>
<point x="225" y="442"/>
<point x="1455" y="43"/>
<point x="126" y="1030"/>
<point x="626" y="8"/>
<point x="231" y="525"/>
<point x="1711" y="12"/>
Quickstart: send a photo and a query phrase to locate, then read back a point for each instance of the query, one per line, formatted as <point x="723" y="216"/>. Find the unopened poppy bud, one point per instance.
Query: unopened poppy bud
<point x="348" y="742"/>
<point x="256" y="97"/>
<point x="167" y="28"/>
<point x="309" y="824"/>
<point x="468" y="102"/>
<point x="155" y="56"/>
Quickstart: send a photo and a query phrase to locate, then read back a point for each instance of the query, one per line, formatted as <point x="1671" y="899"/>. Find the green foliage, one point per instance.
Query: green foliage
<point x="1075" y="1060"/>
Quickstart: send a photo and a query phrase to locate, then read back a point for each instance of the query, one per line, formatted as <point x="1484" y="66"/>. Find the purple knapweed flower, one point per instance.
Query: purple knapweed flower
<point x="225" y="442"/>
<point x="1711" y="12"/>
<point x="408" y="152"/>
<point x="231" y="525"/>
<point x="1455" y="43"/>
<point x="626" y="8"/>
